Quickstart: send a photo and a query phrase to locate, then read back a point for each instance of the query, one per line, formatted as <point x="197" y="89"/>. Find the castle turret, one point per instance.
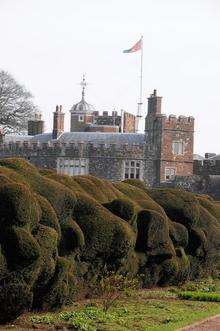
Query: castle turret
<point x="170" y="139"/>
<point x="35" y="125"/>
<point x="58" y="122"/>
<point x="81" y="113"/>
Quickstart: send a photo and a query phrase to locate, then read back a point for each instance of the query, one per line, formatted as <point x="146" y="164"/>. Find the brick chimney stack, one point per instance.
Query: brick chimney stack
<point x="36" y="125"/>
<point x="154" y="104"/>
<point x="58" y="122"/>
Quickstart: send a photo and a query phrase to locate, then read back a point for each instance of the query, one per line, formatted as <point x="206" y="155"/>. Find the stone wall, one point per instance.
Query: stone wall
<point x="105" y="160"/>
<point x="206" y="167"/>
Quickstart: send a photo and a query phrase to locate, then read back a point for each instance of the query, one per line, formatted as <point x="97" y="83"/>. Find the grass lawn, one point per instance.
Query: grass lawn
<point x="144" y="310"/>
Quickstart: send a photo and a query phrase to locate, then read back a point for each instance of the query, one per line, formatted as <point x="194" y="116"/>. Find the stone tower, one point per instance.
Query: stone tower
<point x="81" y="113"/>
<point x="58" y="122"/>
<point x="170" y="140"/>
<point x="36" y="125"/>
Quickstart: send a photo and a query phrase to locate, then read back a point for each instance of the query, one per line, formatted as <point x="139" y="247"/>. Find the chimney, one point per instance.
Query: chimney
<point x="58" y="122"/>
<point x="154" y="104"/>
<point x="35" y="125"/>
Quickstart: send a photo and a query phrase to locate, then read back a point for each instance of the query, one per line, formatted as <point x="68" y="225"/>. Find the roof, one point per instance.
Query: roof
<point x="95" y="137"/>
<point x="42" y="138"/>
<point x="99" y="137"/>
<point x="198" y="157"/>
<point x="82" y="107"/>
<point x="16" y="137"/>
<point x="214" y="158"/>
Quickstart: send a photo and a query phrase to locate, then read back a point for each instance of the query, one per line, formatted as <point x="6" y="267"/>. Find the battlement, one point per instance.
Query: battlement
<point x="176" y="123"/>
<point x="106" y="113"/>
<point x="57" y="146"/>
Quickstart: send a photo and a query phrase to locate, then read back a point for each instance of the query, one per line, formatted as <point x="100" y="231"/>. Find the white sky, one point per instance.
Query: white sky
<point x="48" y="44"/>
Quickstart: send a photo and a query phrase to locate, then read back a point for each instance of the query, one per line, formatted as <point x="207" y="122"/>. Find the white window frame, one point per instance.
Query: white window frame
<point x="132" y="169"/>
<point x="72" y="167"/>
<point x="170" y="172"/>
<point x="81" y="118"/>
<point x="178" y="147"/>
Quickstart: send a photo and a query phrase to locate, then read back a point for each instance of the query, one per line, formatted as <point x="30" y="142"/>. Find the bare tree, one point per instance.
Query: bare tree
<point x="16" y="106"/>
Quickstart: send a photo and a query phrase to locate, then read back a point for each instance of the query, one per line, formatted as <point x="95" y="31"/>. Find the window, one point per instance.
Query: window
<point x="72" y="167"/>
<point x="132" y="169"/>
<point x="170" y="173"/>
<point x="81" y="118"/>
<point x="178" y="147"/>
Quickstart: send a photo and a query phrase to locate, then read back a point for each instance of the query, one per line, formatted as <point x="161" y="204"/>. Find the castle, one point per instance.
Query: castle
<point x="107" y="146"/>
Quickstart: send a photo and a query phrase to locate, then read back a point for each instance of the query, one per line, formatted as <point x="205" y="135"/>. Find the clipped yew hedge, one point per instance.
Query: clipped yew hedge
<point x="59" y="233"/>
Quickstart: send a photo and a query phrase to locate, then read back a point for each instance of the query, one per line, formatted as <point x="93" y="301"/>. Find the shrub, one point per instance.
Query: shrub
<point x="197" y="243"/>
<point x="153" y="236"/>
<point x="72" y="237"/>
<point x="178" y="234"/>
<point x="47" y="239"/>
<point x="3" y="265"/>
<point x="99" y="189"/>
<point x="137" y="183"/>
<point x="20" y="247"/>
<point x="48" y="216"/>
<point x="179" y="205"/>
<point x="15" y="298"/>
<point x="58" y="292"/>
<point x="199" y="296"/>
<point x="212" y="206"/>
<point x="169" y="271"/>
<point x="17" y="206"/>
<point x="61" y="198"/>
<point x="122" y="208"/>
<point x="138" y="196"/>
<point x="105" y="234"/>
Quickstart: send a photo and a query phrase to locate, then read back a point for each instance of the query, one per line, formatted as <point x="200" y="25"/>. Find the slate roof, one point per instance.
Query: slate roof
<point x="215" y="158"/>
<point x="96" y="137"/>
<point x="16" y="137"/>
<point x="198" y="157"/>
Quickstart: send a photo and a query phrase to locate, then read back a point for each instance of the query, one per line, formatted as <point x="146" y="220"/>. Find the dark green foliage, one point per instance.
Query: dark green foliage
<point x="15" y="298"/>
<point x="153" y="236"/>
<point x="122" y="208"/>
<point x="58" y="292"/>
<point x="213" y="207"/>
<point x="180" y="206"/>
<point x="48" y="216"/>
<point x="20" y="248"/>
<point x="18" y="206"/>
<point x="178" y="234"/>
<point x="5" y="180"/>
<point x="199" y="296"/>
<point x="47" y="239"/>
<point x="197" y="243"/>
<point x="169" y="272"/>
<point x="106" y="236"/>
<point x="164" y="236"/>
<point x="3" y="265"/>
<point x="137" y="183"/>
<point x="72" y="237"/>
<point x="175" y="270"/>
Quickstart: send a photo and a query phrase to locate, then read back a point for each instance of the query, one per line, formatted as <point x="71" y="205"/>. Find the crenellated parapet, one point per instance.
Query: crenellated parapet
<point x="57" y="147"/>
<point x="172" y="122"/>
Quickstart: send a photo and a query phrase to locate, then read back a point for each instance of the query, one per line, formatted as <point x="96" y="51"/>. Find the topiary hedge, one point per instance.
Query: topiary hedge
<point x="59" y="233"/>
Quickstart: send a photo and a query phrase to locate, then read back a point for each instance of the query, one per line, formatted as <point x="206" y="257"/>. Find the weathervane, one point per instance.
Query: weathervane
<point x="83" y="84"/>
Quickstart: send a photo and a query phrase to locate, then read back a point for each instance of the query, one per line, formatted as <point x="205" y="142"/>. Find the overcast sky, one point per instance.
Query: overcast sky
<point x="48" y="45"/>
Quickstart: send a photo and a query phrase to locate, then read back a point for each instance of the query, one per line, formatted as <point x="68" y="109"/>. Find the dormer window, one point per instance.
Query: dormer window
<point x="81" y="118"/>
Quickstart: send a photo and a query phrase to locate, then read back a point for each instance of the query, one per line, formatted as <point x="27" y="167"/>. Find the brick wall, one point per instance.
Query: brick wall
<point x="129" y="123"/>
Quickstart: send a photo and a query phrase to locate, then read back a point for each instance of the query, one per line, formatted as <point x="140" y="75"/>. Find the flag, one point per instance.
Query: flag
<point x="135" y="48"/>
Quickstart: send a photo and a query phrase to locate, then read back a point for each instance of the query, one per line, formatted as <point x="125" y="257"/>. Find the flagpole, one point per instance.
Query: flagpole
<point x="140" y="103"/>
